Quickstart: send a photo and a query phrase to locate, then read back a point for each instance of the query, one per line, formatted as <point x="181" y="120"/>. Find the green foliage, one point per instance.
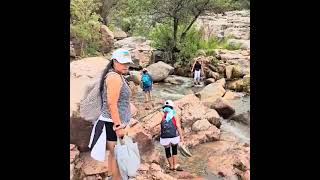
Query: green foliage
<point x="211" y="43"/>
<point x="210" y="52"/>
<point x="131" y="16"/>
<point x="241" y="4"/>
<point x="189" y="46"/>
<point x="231" y="46"/>
<point x="161" y="36"/>
<point x="85" y="25"/>
<point x="214" y="61"/>
<point x="162" y="39"/>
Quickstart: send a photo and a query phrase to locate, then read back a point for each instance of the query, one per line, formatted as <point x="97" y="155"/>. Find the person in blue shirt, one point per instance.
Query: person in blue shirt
<point x="146" y="84"/>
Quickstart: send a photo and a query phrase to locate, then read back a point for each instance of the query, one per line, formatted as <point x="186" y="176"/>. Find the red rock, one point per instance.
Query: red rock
<point x="195" y="138"/>
<point x="224" y="108"/>
<point x="229" y="159"/>
<point x="144" y="167"/>
<point x="91" y="166"/>
<point x="74" y="154"/>
<point x="155" y="167"/>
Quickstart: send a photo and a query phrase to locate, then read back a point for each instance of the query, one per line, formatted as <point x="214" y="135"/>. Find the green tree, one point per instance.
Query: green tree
<point x="131" y="16"/>
<point x="85" y="25"/>
<point x="183" y="14"/>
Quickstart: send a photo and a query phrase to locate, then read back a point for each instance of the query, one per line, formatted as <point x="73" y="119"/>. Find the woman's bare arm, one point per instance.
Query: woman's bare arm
<point x="113" y="91"/>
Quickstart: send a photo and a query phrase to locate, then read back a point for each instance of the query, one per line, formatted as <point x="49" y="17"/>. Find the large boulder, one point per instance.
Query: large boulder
<point x="119" y="34"/>
<point x="106" y="32"/>
<point x="224" y="25"/>
<point x="229" y="160"/>
<point x="74" y="159"/>
<point x="77" y="92"/>
<point x="92" y="167"/>
<point x="196" y="138"/>
<point x="231" y="95"/>
<point x="230" y="56"/>
<point x="146" y="146"/>
<point x="237" y="72"/>
<point x="188" y="99"/>
<point x="192" y="113"/>
<point x="234" y="71"/>
<point x="173" y="79"/>
<point x="211" y="92"/>
<point x="80" y="132"/>
<point x="212" y="74"/>
<point x="135" y="76"/>
<point x="224" y="108"/>
<point x="222" y="82"/>
<point x="226" y="55"/>
<point x="236" y="85"/>
<point x="243" y="63"/>
<point x="140" y="49"/>
<point x="141" y="58"/>
<point x="201" y="125"/>
<point x="82" y="72"/>
<point x="246" y="83"/>
<point x="191" y="109"/>
<point x="213" y="117"/>
<point x="209" y="81"/>
<point x="159" y="175"/>
<point x="229" y="71"/>
<point x="130" y="43"/>
<point x="243" y="44"/>
<point x="159" y="71"/>
<point x="221" y="68"/>
<point x="242" y="118"/>
<point x="107" y="39"/>
<point x="90" y="67"/>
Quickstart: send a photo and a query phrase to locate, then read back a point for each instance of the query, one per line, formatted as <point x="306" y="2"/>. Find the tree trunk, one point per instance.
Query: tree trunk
<point x="105" y="9"/>
<point x="183" y="35"/>
<point x="175" y="32"/>
<point x="81" y="49"/>
<point x="200" y="10"/>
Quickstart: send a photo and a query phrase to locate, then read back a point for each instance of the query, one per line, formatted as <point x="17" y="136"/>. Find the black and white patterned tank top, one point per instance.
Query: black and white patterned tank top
<point x="123" y="102"/>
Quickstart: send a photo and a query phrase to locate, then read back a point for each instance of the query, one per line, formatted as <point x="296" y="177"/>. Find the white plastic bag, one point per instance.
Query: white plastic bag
<point x="128" y="157"/>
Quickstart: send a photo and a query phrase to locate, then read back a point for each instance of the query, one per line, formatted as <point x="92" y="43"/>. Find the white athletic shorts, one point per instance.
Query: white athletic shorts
<point x="167" y="141"/>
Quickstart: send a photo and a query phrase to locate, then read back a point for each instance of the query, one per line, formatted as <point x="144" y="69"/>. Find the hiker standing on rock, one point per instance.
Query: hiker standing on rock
<point x="171" y="134"/>
<point x="146" y="84"/>
<point x="197" y="69"/>
<point x="116" y="114"/>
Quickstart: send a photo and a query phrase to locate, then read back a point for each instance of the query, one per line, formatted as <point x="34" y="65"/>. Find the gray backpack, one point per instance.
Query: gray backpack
<point x="90" y="105"/>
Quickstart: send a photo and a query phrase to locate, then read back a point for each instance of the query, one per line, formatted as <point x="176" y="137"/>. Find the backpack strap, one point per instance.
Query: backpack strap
<point x="174" y="122"/>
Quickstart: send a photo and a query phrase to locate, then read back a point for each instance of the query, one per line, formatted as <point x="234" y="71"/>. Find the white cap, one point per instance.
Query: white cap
<point x="169" y="103"/>
<point x="122" y="56"/>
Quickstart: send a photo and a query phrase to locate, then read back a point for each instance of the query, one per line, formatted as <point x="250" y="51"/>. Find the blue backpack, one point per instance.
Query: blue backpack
<point x="146" y="81"/>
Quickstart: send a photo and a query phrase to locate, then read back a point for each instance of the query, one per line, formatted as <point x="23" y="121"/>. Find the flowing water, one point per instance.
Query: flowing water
<point x="197" y="163"/>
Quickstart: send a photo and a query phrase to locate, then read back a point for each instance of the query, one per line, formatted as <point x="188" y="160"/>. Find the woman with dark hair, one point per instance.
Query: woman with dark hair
<point x="116" y="114"/>
<point x="197" y="69"/>
<point x="170" y="134"/>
